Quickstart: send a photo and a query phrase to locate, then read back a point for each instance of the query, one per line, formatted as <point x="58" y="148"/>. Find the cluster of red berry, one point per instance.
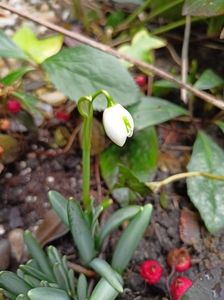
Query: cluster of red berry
<point x="179" y="260"/>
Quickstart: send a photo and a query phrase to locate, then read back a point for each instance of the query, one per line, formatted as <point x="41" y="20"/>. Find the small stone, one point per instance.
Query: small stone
<point x="2" y="229"/>
<point x="16" y="241"/>
<point x="50" y="179"/>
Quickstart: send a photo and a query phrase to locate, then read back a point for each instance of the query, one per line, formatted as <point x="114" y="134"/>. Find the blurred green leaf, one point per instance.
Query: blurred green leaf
<point x="59" y="204"/>
<point x="105" y="270"/>
<point x="152" y="111"/>
<point x="82" y="287"/>
<point x="208" y="80"/>
<point x="12" y="283"/>
<point x="48" y="294"/>
<point x="206" y="8"/>
<point x="37" y="49"/>
<point x="104" y="291"/>
<point x="139" y="155"/>
<point x="81" y="232"/>
<point x="220" y="124"/>
<point x="9" y="49"/>
<point x="38" y="254"/>
<point x="207" y="194"/>
<point x="141" y="45"/>
<point x="115" y="18"/>
<point x="162" y="87"/>
<point x="73" y="72"/>
<point x="117" y="218"/>
<point x="15" y="75"/>
<point x="130" y="239"/>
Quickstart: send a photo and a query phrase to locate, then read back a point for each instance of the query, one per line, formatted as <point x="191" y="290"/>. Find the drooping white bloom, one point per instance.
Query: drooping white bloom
<point x="118" y="124"/>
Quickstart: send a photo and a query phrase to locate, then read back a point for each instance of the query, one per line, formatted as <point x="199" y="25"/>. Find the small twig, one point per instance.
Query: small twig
<point x="71" y="139"/>
<point x="184" y="57"/>
<point x="80" y="269"/>
<point x="105" y="48"/>
<point x="155" y="186"/>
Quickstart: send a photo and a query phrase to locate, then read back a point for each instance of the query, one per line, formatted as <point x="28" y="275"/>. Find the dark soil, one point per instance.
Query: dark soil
<point x="23" y="189"/>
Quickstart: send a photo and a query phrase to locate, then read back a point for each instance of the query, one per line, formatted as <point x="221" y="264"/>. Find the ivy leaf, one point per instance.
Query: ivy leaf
<point x="9" y="49"/>
<point x="208" y="80"/>
<point x="152" y="111"/>
<point x="206" y="8"/>
<point x="84" y="70"/>
<point x="37" y="49"/>
<point x="207" y="194"/>
<point x="141" y="45"/>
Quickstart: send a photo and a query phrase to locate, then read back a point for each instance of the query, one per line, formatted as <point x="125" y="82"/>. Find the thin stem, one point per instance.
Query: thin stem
<point x="162" y="9"/>
<point x="174" y="25"/>
<point x="184" y="57"/>
<point x="157" y="185"/>
<point x="105" y="48"/>
<point x="86" y="147"/>
<point x="133" y="16"/>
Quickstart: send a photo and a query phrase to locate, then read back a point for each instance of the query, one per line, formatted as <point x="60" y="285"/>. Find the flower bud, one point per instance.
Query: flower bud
<point x="13" y="106"/>
<point x="151" y="271"/>
<point x="179" y="259"/>
<point x="118" y="124"/>
<point x="179" y="287"/>
<point x="140" y="80"/>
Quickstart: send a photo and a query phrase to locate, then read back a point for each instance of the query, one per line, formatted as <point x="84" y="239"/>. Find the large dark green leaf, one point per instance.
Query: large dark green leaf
<point x="209" y="285"/>
<point x="83" y="70"/>
<point x="9" y="49"/>
<point x="207" y="194"/>
<point x="151" y="111"/>
<point x="205" y="8"/>
<point x="139" y="155"/>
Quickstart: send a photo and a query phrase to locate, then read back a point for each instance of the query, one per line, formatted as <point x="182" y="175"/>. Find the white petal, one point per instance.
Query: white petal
<point x="114" y="125"/>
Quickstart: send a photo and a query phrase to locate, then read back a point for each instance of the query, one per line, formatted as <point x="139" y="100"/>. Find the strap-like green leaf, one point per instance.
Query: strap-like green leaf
<point x="105" y="270"/>
<point x="59" y="204"/>
<point x="81" y="232"/>
<point x="45" y="293"/>
<point x="104" y="291"/>
<point x="37" y="252"/>
<point x="117" y="219"/>
<point x="130" y="239"/>
<point x="34" y="272"/>
<point x="15" y="75"/>
<point x="82" y="287"/>
<point x="32" y="281"/>
<point x="12" y="283"/>
<point x="22" y="297"/>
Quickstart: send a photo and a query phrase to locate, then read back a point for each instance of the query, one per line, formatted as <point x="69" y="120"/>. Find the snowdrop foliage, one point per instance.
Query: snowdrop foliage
<point x="118" y="124"/>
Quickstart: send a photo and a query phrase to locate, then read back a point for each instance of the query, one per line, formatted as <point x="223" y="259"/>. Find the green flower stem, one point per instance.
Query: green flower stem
<point x="155" y="186"/>
<point x="86" y="147"/>
<point x="85" y="108"/>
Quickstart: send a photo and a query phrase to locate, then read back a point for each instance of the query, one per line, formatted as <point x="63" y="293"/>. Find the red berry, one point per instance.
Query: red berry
<point x="179" y="259"/>
<point x="151" y="271"/>
<point x="13" y="106"/>
<point x="140" y="80"/>
<point x="179" y="286"/>
<point x="63" y="116"/>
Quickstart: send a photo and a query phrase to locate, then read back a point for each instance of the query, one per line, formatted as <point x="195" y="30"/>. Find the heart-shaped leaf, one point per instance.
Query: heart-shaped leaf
<point x="152" y="111"/>
<point x="207" y="194"/>
<point x="37" y="49"/>
<point x="83" y="70"/>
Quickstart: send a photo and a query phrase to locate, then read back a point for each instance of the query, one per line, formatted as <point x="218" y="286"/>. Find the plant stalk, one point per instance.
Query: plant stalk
<point x="155" y="186"/>
<point x="86" y="147"/>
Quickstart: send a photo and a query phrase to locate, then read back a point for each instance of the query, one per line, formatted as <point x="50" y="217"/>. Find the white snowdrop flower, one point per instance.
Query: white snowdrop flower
<point x="118" y="124"/>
